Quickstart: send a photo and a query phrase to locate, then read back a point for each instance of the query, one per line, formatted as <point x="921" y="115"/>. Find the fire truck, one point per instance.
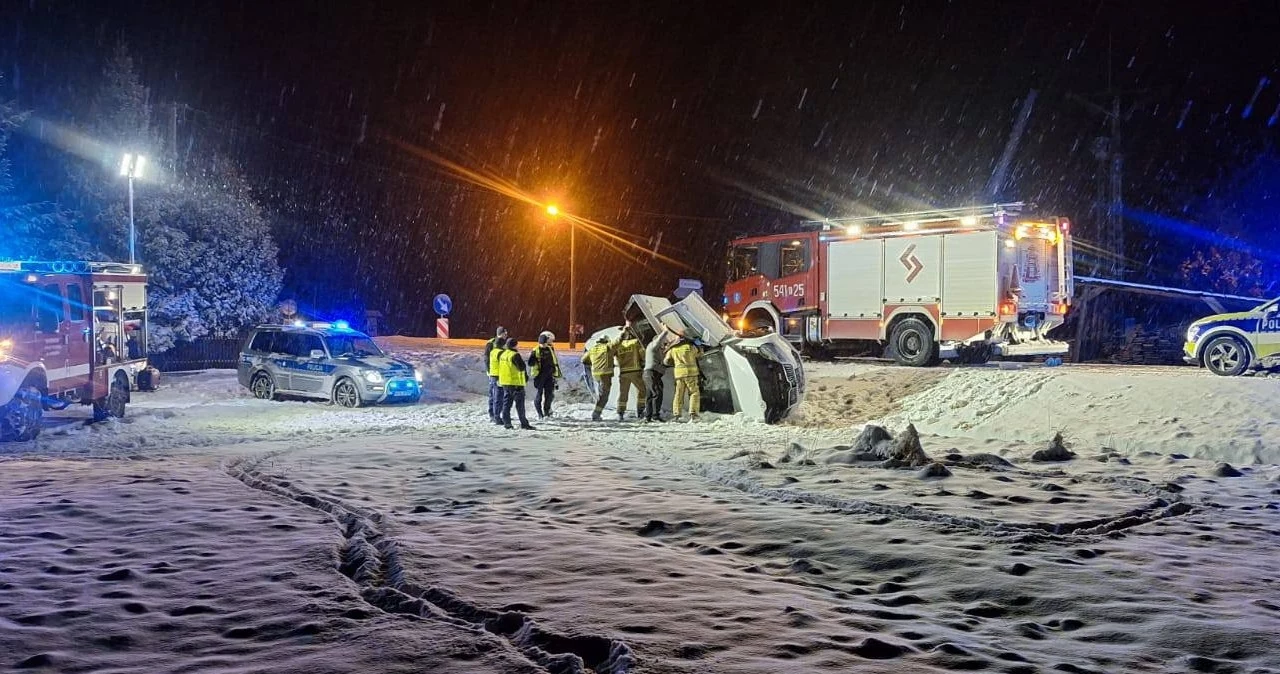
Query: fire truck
<point x="71" y="332"/>
<point x="963" y="284"/>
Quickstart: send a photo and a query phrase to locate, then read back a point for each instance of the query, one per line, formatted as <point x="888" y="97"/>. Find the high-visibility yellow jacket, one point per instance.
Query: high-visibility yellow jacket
<point x="511" y="369"/>
<point x="540" y="358"/>
<point x="493" y="360"/>
<point x="630" y="355"/>
<point x="601" y="356"/>
<point x="684" y="357"/>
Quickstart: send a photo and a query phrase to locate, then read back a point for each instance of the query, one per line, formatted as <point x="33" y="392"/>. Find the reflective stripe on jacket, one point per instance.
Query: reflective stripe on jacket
<point x="684" y="357"/>
<point x="630" y="355"/>
<point x="511" y="369"/>
<point x="538" y="358"/>
<point x="601" y="356"/>
<point x="493" y="360"/>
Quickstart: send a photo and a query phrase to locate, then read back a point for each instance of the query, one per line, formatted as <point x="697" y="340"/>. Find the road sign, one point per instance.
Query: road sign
<point x="443" y="305"/>
<point x="687" y="287"/>
<point x="442" y="328"/>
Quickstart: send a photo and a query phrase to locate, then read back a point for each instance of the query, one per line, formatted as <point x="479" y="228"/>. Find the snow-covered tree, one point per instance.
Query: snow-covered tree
<point x="201" y="234"/>
<point x="32" y="229"/>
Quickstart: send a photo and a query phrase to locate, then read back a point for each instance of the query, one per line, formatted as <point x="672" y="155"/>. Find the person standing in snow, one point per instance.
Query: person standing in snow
<point x="654" y="369"/>
<point x="630" y="354"/>
<point x="599" y="359"/>
<point x="544" y="365"/>
<point x="684" y="358"/>
<point x="512" y="376"/>
<point x="491" y="350"/>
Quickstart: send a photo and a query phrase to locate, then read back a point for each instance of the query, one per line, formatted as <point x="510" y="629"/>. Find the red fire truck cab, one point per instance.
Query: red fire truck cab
<point x="962" y="284"/>
<point x="70" y="332"/>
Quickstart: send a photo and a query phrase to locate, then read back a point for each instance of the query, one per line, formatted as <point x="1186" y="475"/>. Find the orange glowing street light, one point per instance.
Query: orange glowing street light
<point x="553" y="211"/>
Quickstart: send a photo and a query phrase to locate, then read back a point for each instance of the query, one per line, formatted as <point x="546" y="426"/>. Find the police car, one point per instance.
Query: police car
<point x="327" y="361"/>
<point x="1230" y="344"/>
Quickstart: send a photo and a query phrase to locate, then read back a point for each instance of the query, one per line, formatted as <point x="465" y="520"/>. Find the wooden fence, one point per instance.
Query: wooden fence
<point x="202" y="354"/>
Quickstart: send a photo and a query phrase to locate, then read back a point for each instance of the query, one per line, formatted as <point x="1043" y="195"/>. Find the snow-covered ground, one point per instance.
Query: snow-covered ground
<point x="212" y="532"/>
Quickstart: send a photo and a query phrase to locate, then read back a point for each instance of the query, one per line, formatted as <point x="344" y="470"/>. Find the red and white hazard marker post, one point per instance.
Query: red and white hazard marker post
<point x="442" y="328"/>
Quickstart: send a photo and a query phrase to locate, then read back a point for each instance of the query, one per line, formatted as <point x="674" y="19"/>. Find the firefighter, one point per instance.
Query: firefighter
<point x="544" y="365"/>
<point x="654" y="369"/>
<point x="491" y="350"/>
<point x="512" y="377"/>
<point x="684" y="358"/>
<point x="600" y="359"/>
<point x="630" y="354"/>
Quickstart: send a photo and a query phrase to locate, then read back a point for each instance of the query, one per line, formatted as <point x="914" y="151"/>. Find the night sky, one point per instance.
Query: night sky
<point x="693" y="120"/>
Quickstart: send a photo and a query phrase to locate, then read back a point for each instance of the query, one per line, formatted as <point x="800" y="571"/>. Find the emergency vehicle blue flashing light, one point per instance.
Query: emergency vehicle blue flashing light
<point x="341" y="325"/>
<point x="299" y="324"/>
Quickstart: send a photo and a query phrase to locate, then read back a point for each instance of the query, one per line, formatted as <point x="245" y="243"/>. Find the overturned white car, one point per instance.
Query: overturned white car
<point x="758" y="377"/>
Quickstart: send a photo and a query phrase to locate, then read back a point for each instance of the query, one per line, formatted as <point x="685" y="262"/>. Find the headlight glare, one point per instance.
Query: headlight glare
<point x="373" y="376"/>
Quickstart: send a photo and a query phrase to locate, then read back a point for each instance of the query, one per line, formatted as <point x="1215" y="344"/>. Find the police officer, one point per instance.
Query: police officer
<point x="512" y="378"/>
<point x="654" y="369"/>
<point x="630" y="354"/>
<point x="684" y="357"/>
<point x="599" y="359"/>
<point x="545" y="368"/>
<point x="492" y="349"/>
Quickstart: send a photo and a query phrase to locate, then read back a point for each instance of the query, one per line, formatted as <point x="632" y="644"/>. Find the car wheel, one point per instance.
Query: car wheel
<point x="345" y="394"/>
<point x="1226" y="356"/>
<point x="912" y="343"/>
<point x="263" y="387"/>
<point x="20" y="419"/>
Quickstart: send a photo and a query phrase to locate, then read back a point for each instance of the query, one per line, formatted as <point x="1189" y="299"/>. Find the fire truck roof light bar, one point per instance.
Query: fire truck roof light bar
<point x="935" y="215"/>
<point x="70" y="267"/>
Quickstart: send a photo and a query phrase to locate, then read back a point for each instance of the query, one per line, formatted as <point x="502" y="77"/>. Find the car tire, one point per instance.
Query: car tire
<point x="263" y="386"/>
<point x="1226" y="356"/>
<point x="346" y="394"/>
<point x="20" y="419"/>
<point x="912" y="343"/>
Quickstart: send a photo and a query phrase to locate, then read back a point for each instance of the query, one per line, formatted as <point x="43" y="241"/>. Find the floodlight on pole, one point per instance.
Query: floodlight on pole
<point x="131" y="167"/>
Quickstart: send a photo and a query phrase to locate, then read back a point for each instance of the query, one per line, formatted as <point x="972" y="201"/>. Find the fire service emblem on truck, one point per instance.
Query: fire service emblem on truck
<point x="911" y="262"/>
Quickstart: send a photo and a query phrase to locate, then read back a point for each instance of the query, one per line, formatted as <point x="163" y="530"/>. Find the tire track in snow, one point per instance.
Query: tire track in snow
<point x="371" y="559"/>
<point x="1166" y="505"/>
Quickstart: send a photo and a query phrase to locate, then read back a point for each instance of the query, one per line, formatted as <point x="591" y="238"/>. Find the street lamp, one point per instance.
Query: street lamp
<point x="131" y="167"/>
<point x="553" y="211"/>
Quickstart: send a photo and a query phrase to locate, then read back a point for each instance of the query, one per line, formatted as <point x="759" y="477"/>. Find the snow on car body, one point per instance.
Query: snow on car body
<point x="1229" y="344"/>
<point x="759" y="377"/>
<point x="70" y="332"/>
<point x="324" y="361"/>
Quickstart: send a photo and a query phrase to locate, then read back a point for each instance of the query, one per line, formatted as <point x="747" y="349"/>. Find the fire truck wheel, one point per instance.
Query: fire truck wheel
<point x="263" y="386"/>
<point x="20" y="419"/>
<point x="113" y="405"/>
<point x="345" y="393"/>
<point x="1226" y="356"/>
<point x="912" y="343"/>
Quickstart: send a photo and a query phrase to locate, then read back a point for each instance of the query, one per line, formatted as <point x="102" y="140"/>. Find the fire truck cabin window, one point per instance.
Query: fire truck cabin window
<point x="15" y="302"/>
<point x="76" y="299"/>
<point x="743" y="262"/>
<point x="795" y="257"/>
<point x="51" y="301"/>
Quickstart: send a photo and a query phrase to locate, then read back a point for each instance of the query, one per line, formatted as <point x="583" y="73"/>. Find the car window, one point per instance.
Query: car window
<point x="75" y="298"/>
<point x="264" y="342"/>
<point x="351" y="345"/>
<point x="309" y="343"/>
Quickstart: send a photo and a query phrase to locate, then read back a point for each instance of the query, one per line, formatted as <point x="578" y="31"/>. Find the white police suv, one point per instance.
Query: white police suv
<point x="327" y="361"/>
<point x="1230" y="344"/>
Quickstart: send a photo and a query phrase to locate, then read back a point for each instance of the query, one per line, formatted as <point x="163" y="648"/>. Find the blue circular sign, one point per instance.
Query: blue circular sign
<point x="443" y="305"/>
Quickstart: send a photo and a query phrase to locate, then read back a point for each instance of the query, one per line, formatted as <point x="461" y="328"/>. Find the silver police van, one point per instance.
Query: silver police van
<point x="327" y="361"/>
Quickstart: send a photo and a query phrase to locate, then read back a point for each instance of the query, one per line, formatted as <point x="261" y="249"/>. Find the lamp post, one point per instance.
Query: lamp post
<point x="553" y="211"/>
<point x="131" y="167"/>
